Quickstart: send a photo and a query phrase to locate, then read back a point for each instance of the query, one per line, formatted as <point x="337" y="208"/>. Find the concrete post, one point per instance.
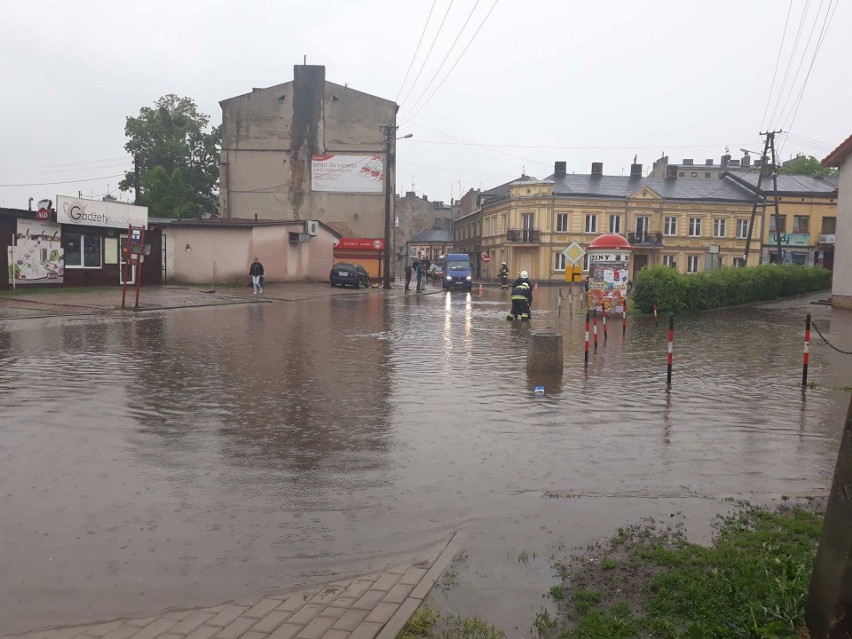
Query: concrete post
<point x="545" y="352"/>
<point x="829" y="612"/>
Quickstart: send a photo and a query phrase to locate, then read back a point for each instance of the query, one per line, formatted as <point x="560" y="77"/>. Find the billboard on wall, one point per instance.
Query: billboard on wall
<point x="37" y="256"/>
<point x="344" y="173"/>
<point x="79" y="212"/>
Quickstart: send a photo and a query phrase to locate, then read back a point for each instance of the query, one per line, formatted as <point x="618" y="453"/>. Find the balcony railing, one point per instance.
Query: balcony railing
<point x="645" y="239"/>
<point x="523" y="235"/>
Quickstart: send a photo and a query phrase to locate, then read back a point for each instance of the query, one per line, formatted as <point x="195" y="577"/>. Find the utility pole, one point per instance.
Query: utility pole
<point x="778" y="230"/>
<point x="389" y="131"/>
<point x="770" y="142"/>
<point x="136" y="198"/>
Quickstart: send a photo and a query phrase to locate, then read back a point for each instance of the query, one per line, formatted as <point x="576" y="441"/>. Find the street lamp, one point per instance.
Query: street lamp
<point x="390" y="160"/>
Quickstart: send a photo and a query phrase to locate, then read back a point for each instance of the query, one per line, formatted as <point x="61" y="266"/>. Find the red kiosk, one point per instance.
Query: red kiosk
<point x="609" y="269"/>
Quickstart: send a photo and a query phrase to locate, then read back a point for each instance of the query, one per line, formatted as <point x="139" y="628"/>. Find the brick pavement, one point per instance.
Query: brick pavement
<point x="368" y="607"/>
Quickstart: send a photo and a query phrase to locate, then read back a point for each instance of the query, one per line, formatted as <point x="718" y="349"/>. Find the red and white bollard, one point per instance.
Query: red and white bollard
<point x="586" y="343"/>
<point x="535" y="286"/>
<point x="656" y="319"/>
<point x="624" y="322"/>
<point x="480" y="288"/>
<point x="604" y="325"/>
<point x="595" y="328"/>
<point x="806" y="354"/>
<point x="671" y="345"/>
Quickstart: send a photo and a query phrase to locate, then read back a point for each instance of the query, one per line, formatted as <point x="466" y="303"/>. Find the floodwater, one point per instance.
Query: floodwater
<point x="193" y="456"/>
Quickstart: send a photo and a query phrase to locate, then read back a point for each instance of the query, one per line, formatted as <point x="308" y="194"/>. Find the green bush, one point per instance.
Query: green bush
<point x="672" y="291"/>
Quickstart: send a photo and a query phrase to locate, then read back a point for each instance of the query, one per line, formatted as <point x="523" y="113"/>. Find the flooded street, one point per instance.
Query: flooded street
<point x="193" y="456"/>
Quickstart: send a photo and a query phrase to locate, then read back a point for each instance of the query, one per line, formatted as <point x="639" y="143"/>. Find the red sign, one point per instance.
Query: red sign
<point x="43" y="214"/>
<point x="361" y="243"/>
<point x="485" y="257"/>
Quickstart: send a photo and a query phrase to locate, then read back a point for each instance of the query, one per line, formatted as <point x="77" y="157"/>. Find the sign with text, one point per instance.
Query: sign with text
<point x="38" y="255"/>
<point x="79" y="212"/>
<point x="344" y="173"/>
<point x="790" y="239"/>
<point x="361" y="243"/>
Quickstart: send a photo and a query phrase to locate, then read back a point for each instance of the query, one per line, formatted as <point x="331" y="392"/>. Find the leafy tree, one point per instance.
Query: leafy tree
<point x="178" y="157"/>
<point x="805" y="165"/>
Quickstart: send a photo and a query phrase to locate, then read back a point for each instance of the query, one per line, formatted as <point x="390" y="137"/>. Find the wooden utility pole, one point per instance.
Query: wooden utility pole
<point x="770" y="143"/>
<point x="770" y="138"/>
<point x="389" y="132"/>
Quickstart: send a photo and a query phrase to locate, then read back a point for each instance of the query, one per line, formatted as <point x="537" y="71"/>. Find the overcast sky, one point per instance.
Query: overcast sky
<point x="542" y="80"/>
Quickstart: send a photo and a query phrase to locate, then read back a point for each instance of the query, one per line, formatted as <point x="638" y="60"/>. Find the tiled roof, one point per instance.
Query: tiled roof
<point x="836" y="157"/>
<point x="502" y="191"/>
<point x="618" y="186"/>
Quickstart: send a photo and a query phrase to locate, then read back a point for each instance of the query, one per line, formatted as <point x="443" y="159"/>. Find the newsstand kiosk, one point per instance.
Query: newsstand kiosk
<point x="609" y="271"/>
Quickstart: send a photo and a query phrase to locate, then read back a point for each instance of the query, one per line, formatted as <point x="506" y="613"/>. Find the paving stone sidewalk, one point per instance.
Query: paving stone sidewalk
<point x="366" y="607"/>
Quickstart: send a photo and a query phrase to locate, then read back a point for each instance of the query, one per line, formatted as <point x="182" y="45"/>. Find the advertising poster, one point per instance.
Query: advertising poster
<point x="38" y="255"/>
<point x="348" y="173"/>
<point x="608" y="284"/>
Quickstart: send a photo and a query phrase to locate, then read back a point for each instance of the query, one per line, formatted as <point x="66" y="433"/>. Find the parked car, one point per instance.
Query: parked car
<point x="435" y="272"/>
<point x="347" y="274"/>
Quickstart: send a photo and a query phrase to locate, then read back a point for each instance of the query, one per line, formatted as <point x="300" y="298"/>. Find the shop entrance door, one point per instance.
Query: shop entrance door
<point x="122" y="257"/>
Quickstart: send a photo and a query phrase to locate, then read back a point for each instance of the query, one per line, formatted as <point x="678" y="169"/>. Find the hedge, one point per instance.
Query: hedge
<point x="672" y="291"/>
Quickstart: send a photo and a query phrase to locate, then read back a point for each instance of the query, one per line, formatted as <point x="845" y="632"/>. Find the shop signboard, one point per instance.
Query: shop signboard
<point x="608" y="276"/>
<point x="361" y="243"/>
<point x="790" y="239"/>
<point x="80" y="212"/>
<point x="346" y="173"/>
<point x="37" y="256"/>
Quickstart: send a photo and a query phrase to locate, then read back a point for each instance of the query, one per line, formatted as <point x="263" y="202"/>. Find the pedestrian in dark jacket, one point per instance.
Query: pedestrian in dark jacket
<point x="256" y="272"/>
<point x="408" y="273"/>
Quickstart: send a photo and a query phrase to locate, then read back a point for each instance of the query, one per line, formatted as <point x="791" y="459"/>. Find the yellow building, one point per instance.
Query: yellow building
<point x="687" y="224"/>
<point x="807" y="208"/>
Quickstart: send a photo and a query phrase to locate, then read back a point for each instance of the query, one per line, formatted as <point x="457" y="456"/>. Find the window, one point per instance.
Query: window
<point x="742" y="229"/>
<point x="707" y="174"/>
<point x="528" y="220"/>
<point x="801" y="223"/>
<point x="642" y="224"/>
<point x="695" y="227"/>
<point x="693" y="174"/>
<point x="669" y="260"/>
<point x="561" y="222"/>
<point x="829" y="225"/>
<point x="592" y="223"/>
<point x="692" y="263"/>
<point x="739" y="262"/>
<point x="782" y="221"/>
<point x="615" y="224"/>
<point x="586" y="262"/>
<point x="719" y="227"/>
<point x="671" y="226"/>
<point x="82" y="251"/>
<point x="681" y="174"/>
<point x="560" y="262"/>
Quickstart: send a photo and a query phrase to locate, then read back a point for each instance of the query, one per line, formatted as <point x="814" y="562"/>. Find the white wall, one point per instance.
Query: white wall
<point x="841" y="283"/>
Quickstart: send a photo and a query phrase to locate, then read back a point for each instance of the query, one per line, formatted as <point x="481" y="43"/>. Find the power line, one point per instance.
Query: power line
<point x="417" y="48"/>
<point x="64" y="164"/>
<point x="105" y="177"/>
<point x="557" y="147"/>
<point x="789" y="62"/>
<point x="777" y="61"/>
<point x="475" y="33"/>
<point x="428" y="53"/>
<point x="446" y="57"/>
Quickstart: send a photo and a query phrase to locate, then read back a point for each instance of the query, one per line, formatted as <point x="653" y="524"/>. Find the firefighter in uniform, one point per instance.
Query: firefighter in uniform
<point x="503" y="274"/>
<point x="521" y="298"/>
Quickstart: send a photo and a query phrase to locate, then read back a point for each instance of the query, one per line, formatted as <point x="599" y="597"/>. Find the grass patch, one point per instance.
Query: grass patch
<point x="427" y="623"/>
<point x="450" y="576"/>
<point x="651" y="582"/>
<point x="420" y="625"/>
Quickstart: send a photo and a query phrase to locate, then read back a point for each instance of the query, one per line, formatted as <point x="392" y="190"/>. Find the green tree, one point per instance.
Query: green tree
<point x="805" y="165"/>
<point x="178" y="157"/>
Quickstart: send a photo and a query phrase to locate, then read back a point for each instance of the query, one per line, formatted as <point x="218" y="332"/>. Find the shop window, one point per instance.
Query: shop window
<point x="800" y="258"/>
<point x="83" y="251"/>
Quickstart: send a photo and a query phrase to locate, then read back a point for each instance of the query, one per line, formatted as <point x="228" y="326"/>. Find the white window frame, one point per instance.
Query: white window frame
<point x="719" y="224"/>
<point x="593" y="227"/>
<point x="690" y="260"/>
<point x="739" y="262"/>
<point x="645" y="220"/>
<point x="670" y="226"/>
<point x="670" y="261"/>
<point x="615" y="223"/>
<point x="561" y="222"/>
<point x="586" y="262"/>
<point x="742" y="229"/>
<point x="695" y="227"/>
<point x="82" y="265"/>
<point x="559" y="263"/>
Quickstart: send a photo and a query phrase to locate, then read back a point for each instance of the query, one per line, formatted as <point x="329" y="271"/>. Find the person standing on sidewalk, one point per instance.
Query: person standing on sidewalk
<point x="256" y="272"/>
<point x="418" y="270"/>
<point x="408" y="272"/>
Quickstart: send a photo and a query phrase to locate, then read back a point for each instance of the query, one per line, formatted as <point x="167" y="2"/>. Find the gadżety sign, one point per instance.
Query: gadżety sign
<point x="80" y="212"/>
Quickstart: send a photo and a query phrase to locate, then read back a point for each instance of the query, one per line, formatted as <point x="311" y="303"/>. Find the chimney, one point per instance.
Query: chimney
<point x="425" y="198"/>
<point x="688" y="162"/>
<point x="635" y="170"/>
<point x="597" y="168"/>
<point x="724" y="160"/>
<point x="559" y="169"/>
<point x="746" y="161"/>
<point x="708" y="162"/>
<point x="671" y="171"/>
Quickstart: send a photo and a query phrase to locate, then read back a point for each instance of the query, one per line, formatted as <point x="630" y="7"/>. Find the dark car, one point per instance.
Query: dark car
<point x="435" y="272"/>
<point x="347" y="274"/>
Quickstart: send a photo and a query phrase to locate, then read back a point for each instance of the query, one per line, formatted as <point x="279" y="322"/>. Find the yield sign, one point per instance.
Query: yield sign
<point x="574" y="253"/>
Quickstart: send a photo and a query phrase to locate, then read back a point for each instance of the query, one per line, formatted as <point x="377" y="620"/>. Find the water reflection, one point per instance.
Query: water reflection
<point x="195" y="455"/>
